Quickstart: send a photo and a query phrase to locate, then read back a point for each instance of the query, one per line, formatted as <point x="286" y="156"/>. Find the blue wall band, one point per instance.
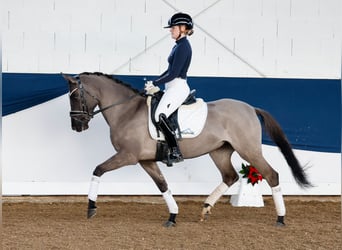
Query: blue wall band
<point x="309" y="110"/>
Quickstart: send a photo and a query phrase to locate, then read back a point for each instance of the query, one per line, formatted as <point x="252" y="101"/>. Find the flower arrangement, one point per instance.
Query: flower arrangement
<point x="251" y="173"/>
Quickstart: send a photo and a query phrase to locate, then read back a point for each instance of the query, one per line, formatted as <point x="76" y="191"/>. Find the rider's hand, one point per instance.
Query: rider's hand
<point x="150" y="88"/>
<point x="149" y="85"/>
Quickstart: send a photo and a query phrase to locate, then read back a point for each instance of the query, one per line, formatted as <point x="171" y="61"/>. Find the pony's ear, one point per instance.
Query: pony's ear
<point x="69" y="78"/>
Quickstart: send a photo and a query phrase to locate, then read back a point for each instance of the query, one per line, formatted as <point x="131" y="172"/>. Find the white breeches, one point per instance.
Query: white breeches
<point x="175" y="94"/>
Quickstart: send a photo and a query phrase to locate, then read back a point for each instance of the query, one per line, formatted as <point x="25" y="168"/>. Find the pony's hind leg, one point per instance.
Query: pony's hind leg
<point x="153" y="170"/>
<point x="222" y="159"/>
<point x="272" y="178"/>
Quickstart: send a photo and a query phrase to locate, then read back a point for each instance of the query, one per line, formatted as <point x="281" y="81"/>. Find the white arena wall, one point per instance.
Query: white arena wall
<point x="233" y="38"/>
<point x="271" y="38"/>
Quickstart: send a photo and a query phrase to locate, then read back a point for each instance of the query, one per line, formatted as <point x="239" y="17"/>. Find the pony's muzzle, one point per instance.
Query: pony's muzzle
<point x="80" y="128"/>
<point x="79" y="125"/>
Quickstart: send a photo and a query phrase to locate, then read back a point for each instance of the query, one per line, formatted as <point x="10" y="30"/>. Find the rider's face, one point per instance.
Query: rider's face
<point x="175" y="30"/>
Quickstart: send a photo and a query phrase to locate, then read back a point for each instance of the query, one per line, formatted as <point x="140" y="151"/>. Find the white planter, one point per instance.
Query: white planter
<point x="248" y="196"/>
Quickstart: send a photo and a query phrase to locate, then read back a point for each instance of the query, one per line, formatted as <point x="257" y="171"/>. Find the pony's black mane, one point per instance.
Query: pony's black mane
<point x="113" y="79"/>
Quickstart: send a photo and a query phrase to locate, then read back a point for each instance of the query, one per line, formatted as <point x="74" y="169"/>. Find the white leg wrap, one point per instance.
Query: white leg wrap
<point x="216" y="194"/>
<point x="170" y="201"/>
<point x="278" y="201"/>
<point x="94" y="186"/>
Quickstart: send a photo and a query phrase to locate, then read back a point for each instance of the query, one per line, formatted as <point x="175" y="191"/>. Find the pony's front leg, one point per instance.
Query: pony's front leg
<point x="153" y="170"/>
<point x="115" y="162"/>
<point x="173" y="208"/>
<point x="92" y="196"/>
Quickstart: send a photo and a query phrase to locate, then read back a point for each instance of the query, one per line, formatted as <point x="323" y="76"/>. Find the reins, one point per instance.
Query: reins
<point x="115" y="104"/>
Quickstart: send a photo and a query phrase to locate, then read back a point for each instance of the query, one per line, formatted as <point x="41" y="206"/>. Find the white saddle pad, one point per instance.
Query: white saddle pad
<point x="191" y="119"/>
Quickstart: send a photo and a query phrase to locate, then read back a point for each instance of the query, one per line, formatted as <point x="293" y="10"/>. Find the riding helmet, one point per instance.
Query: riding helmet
<point x="179" y="19"/>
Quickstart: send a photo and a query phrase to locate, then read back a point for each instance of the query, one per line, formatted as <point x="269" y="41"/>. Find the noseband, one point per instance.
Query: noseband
<point x="77" y="114"/>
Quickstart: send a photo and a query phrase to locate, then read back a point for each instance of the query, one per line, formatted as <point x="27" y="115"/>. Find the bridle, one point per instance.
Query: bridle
<point x="84" y="112"/>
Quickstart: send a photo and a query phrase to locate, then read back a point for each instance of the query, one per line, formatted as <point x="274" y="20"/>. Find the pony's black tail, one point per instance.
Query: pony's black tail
<point x="277" y="135"/>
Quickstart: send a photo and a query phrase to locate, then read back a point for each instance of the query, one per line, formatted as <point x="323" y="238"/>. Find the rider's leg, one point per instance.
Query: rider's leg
<point x="176" y="92"/>
<point x="170" y="137"/>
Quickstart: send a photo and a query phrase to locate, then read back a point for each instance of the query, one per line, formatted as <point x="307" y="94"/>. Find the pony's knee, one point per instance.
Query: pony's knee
<point x="163" y="187"/>
<point x="99" y="171"/>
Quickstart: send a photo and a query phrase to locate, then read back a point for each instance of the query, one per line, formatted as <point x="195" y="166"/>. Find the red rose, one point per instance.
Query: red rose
<point x="251" y="173"/>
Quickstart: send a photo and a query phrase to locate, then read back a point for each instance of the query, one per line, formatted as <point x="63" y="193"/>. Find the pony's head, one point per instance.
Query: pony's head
<point x="82" y="104"/>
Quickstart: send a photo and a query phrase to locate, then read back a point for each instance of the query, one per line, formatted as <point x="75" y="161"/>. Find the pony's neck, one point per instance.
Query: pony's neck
<point x="115" y="92"/>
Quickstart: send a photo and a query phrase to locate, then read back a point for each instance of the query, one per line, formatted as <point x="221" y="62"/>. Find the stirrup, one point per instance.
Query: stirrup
<point x="174" y="156"/>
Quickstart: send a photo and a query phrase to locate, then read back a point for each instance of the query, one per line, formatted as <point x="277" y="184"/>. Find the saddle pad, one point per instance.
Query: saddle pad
<point x="191" y="119"/>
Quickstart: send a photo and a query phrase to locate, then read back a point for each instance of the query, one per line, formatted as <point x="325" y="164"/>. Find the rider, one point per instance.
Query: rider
<point x="174" y="78"/>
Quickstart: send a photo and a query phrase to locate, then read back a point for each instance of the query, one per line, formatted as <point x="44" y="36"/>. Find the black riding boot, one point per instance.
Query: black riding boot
<point x="175" y="155"/>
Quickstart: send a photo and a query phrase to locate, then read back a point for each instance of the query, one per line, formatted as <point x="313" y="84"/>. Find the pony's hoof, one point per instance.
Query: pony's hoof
<point x="205" y="213"/>
<point x="280" y="221"/>
<point x="91" y="213"/>
<point x="169" y="224"/>
<point x="280" y="224"/>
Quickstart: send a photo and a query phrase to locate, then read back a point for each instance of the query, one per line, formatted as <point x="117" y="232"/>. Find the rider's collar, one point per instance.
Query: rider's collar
<point x="181" y="39"/>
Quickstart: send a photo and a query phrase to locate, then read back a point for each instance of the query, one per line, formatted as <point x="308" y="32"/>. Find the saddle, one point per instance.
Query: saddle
<point x="173" y="118"/>
<point x="187" y="121"/>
